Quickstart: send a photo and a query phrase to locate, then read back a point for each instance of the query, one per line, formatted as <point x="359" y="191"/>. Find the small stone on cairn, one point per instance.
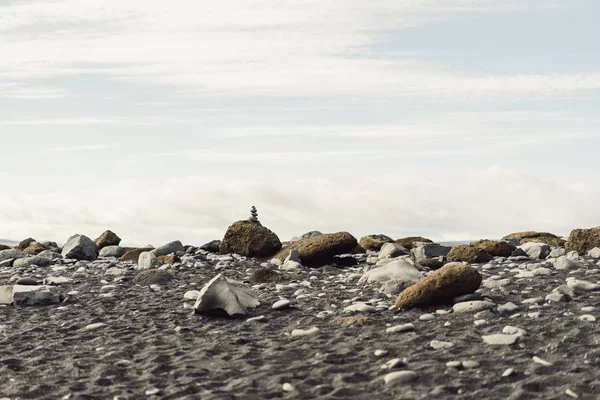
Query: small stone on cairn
<point x="253" y="215"/>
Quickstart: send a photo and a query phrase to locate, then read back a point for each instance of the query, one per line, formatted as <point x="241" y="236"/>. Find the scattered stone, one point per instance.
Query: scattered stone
<point x="174" y="247"/>
<point x="112" y="251"/>
<point x="108" y="238"/>
<point x="500" y="339"/>
<point x="402" y="270"/>
<point x="400" y="377"/>
<point x="472" y="306"/>
<point x="148" y="260"/>
<point x="507" y="308"/>
<point x="286" y="387"/>
<point x="437" y="344"/>
<point x="537" y="237"/>
<point x="587" y="317"/>
<point x="134" y="254"/>
<point x="29" y="295"/>
<point x="429" y="250"/>
<point x="538" y="360"/>
<point x="9" y="254"/>
<point x="265" y="275"/>
<point x="191" y="294"/>
<point x="571" y="393"/>
<point x="392" y="250"/>
<point x="281" y="304"/>
<point x="454" y="364"/>
<point x="27" y="281"/>
<point x="583" y="240"/>
<point x="212" y="246"/>
<point x="400" y="328"/>
<point x="535" y="250"/>
<point x="305" y="332"/>
<point x="556" y="298"/>
<point x="508" y="372"/>
<point x="594" y="253"/>
<point x="356" y="320"/>
<point x="80" y="247"/>
<point x="25" y="243"/>
<point x="470" y="364"/>
<point x="34" y="248"/>
<point x="427" y="317"/>
<point x="495" y="248"/>
<point x="249" y="239"/>
<point x="56" y="280"/>
<point x="152" y="277"/>
<point x="95" y="326"/>
<point x="220" y="293"/>
<point x="360" y="307"/>
<point x="468" y="253"/>
<point x="412" y="241"/>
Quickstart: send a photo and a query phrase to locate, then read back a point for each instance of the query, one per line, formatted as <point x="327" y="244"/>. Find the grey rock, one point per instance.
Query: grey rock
<point x="112" y="251"/>
<point x="402" y="270"/>
<point x="212" y="246"/>
<point x="393" y="287"/>
<point x="399" y="377"/>
<point x="557" y="252"/>
<point x="429" y="250"/>
<point x="29" y="261"/>
<point x="12" y="254"/>
<point x="594" y="253"/>
<point x="535" y="250"/>
<point x="29" y="295"/>
<point x="80" y="247"/>
<point x="27" y="281"/>
<point x="148" y="260"/>
<point x="310" y="234"/>
<point x="500" y="339"/>
<point x="293" y="256"/>
<point x="53" y="255"/>
<point x="220" y="293"/>
<point x="472" y="306"/>
<point x="507" y="308"/>
<point x="174" y="247"/>
<point x="391" y="250"/>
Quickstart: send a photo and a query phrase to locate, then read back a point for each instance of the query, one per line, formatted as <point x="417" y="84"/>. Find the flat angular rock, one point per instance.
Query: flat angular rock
<point x="391" y="250"/>
<point x="169" y="248"/>
<point x="448" y="282"/>
<point x="80" y="247"/>
<point x="29" y="295"/>
<point x="401" y="270"/>
<point x="108" y="238"/>
<point x="250" y="239"/>
<point x="535" y="250"/>
<point x="152" y="277"/>
<point x="12" y="254"/>
<point x="429" y="250"/>
<point x="220" y="293"/>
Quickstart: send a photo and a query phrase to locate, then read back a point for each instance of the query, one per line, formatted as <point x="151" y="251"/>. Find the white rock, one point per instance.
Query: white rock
<point x="577" y="284"/>
<point x="472" y="306"/>
<point x="571" y="393"/>
<point x="281" y="304"/>
<point x="470" y="364"/>
<point x="226" y="294"/>
<point x="380" y="353"/>
<point x="391" y="250"/>
<point x="400" y="328"/>
<point x="148" y="260"/>
<point x="507" y="308"/>
<point x="305" y="332"/>
<point x="402" y="270"/>
<point x="594" y="253"/>
<point x="587" y="317"/>
<point x="535" y="250"/>
<point x="508" y="372"/>
<point x="287" y="387"/>
<point x="360" y="307"/>
<point x="400" y="377"/>
<point x="437" y="344"/>
<point x="538" y="360"/>
<point x="513" y="330"/>
<point x="97" y="325"/>
<point x="500" y="339"/>
<point x="191" y="294"/>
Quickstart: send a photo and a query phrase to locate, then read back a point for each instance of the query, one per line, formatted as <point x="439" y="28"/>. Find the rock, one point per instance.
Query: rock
<point x="80" y="247"/>
<point x="508" y="308"/>
<point x="448" y="282"/>
<point x="360" y="307"/>
<point x="582" y="286"/>
<point x="264" y="275"/>
<point x="29" y="295"/>
<point x="563" y="262"/>
<point x="170" y="259"/>
<point x="400" y="377"/>
<point x="393" y="288"/>
<point x="320" y="250"/>
<point x="250" y="239"/>
<point x="412" y="241"/>
<point x="56" y="280"/>
<point x="148" y="260"/>
<point x="11" y="254"/>
<point x="287" y="387"/>
<point x="114" y="271"/>
<point x="4" y="247"/>
<point x="392" y="250"/>
<point x="108" y="238"/>
<point x="221" y="293"/>
<point x="583" y="240"/>
<point x="537" y="237"/>
<point x="191" y="294"/>
<point x="556" y="298"/>
<point x="433" y="263"/>
<point x="310" y="234"/>
<point x="400" y="328"/>
<point x="27" y="281"/>
<point x="429" y="250"/>
<point x="29" y="261"/>
<point x="495" y="248"/>
<point x="500" y="339"/>
<point x="472" y="306"/>
<point x="212" y="246"/>
<point x="535" y="250"/>
<point x="354" y="320"/>
<point x="34" y="249"/>
<point x="50" y="254"/>
<point x="292" y="256"/>
<point x="112" y="251"/>
<point x="437" y="345"/>
<point x="401" y="270"/>
<point x="305" y="332"/>
<point x="134" y="254"/>
<point x="169" y="248"/>
<point x="152" y="277"/>
<point x="468" y="254"/>
<point x="594" y="253"/>
<point x="281" y="304"/>
<point x="538" y="360"/>
<point x="374" y="242"/>
<point x="25" y="243"/>
<point x="557" y="252"/>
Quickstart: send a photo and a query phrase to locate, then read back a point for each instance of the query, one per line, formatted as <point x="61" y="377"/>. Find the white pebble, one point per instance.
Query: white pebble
<point x="304" y="332"/>
<point x="437" y="344"/>
<point x="400" y="328"/>
<point x="400" y="377"/>
<point x="380" y="353"/>
<point x="587" y="317"/>
<point x="538" y="360"/>
<point x="281" y="304"/>
<point x="508" y="372"/>
<point x="287" y="387"/>
<point x="427" y="317"/>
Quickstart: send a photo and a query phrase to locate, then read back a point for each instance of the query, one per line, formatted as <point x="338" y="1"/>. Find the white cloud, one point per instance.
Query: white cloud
<point x="85" y="147"/>
<point x="469" y="205"/>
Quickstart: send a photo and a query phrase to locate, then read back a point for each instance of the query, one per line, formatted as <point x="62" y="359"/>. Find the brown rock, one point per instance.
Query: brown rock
<point x="538" y="237"/>
<point x="353" y="320"/>
<point x="108" y="238"/>
<point x="249" y="239"/>
<point x="134" y="254"/>
<point x="448" y="282"/>
<point x="495" y="248"/>
<point x="35" y="249"/>
<point x="4" y="247"/>
<point x="171" y="259"/>
<point x="374" y="242"/>
<point x="408" y="242"/>
<point x="320" y="250"/>
<point x="25" y="243"/>
<point x="358" y="250"/>
<point x="468" y="253"/>
<point x="583" y="240"/>
<point x="264" y="275"/>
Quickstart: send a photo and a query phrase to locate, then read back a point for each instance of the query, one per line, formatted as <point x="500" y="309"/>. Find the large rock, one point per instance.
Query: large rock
<point x="80" y="247"/>
<point x="169" y="248"/>
<point x="583" y="240"/>
<point x="11" y="254"/>
<point x="429" y="250"/>
<point x="468" y="253"/>
<point x="108" y="238"/>
<point x="402" y="270"/>
<point x="35" y="248"/>
<point x="392" y="250"/>
<point x="25" y="243"/>
<point x="250" y="239"/>
<point x="495" y="248"/>
<point x="412" y="241"/>
<point x="235" y="298"/>
<point x="374" y="242"/>
<point x="112" y="251"/>
<point x="320" y="250"/>
<point x="536" y="250"/>
<point x="153" y="277"/>
<point x="29" y="295"/>
<point x="212" y="246"/>
<point x="448" y="282"/>
<point x="148" y="260"/>
<point x="134" y="254"/>
<point x="4" y="247"/>
<point x="35" y="260"/>
<point x="538" y="237"/>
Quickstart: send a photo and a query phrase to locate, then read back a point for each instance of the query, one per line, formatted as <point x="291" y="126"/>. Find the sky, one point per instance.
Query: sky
<point x="450" y="119"/>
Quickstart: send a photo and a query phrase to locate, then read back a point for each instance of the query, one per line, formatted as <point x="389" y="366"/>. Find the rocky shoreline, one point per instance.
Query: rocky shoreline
<point x="326" y="316"/>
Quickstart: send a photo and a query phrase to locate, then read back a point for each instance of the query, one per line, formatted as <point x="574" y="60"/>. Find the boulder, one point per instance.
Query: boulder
<point x="29" y="295"/>
<point x="148" y="260"/>
<point x="468" y="253"/>
<point x="433" y="263"/>
<point x="169" y="248"/>
<point x="212" y="246"/>
<point x="108" y="238"/>
<point x="11" y="254"/>
<point x="495" y="248"/>
<point x="374" y="242"/>
<point x="535" y="250"/>
<point x="537" y="237"/>
<point x="51" y="246"/>
<point x="429" y="250"/>
<point x="412" y="241"/>
<point x="25" y="243"/>
<point x="264" y="275"/>
<point x="4" y="247"/>
<point x="448" y="282"/>
<point x="34" y="249"/>
<point x="80" y="247"/>
<point x="249" y="239"/>
<point x="402" y="270"/>
<point x="152" y="277"/>
<point x="320" y="250"/>
<point x="392" y="250"/>
<point x="50" y="254"/>
<point x="112" y="251"/>
<point x="29" y="261"/>
<point x="583" y="240"/>
<point x="134" y="254"/>
<point x="220" y="293"/>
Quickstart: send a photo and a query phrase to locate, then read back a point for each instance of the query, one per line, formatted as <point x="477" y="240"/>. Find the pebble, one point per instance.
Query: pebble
<point x="437" y="344"/>
<point x="360" y="307"/>
<point x="507" y="308"/>
<point x="472" y="306"/>
<point x="427" y="317"/>
<point x="152" y="391"/>
<point x="500" y="339"/>
<point x="97" y="325"/>
<point x="589" y="309"/>
<point x="281" y="304"/>
<point x="508" y="372"/>
<point x="470" y="364"/>
<point x="400" y="377"/>
<point x="572" y="394"/>
<point x="453" y="364"/>
<point x="538" y="360"/>
<point x="400" y="328"/>
<point x="393" y="363"/>
<point x="587" y="317"/>
<point x="287" y="387"/>
<point x="256" y="319"/>
<point x="380" y="353"/>
<point x="305" y="332"/>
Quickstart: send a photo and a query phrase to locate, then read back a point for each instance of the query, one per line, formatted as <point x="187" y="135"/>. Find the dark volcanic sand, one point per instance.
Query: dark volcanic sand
<point x="45" y="353"/>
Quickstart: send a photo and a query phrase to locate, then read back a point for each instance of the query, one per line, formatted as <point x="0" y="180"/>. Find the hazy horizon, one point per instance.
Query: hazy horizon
<point x="449" y="119"/>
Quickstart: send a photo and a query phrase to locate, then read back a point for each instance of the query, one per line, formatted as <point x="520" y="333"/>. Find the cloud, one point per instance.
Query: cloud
<point x="85" y="147"/>
<point x="469" y="205"/>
